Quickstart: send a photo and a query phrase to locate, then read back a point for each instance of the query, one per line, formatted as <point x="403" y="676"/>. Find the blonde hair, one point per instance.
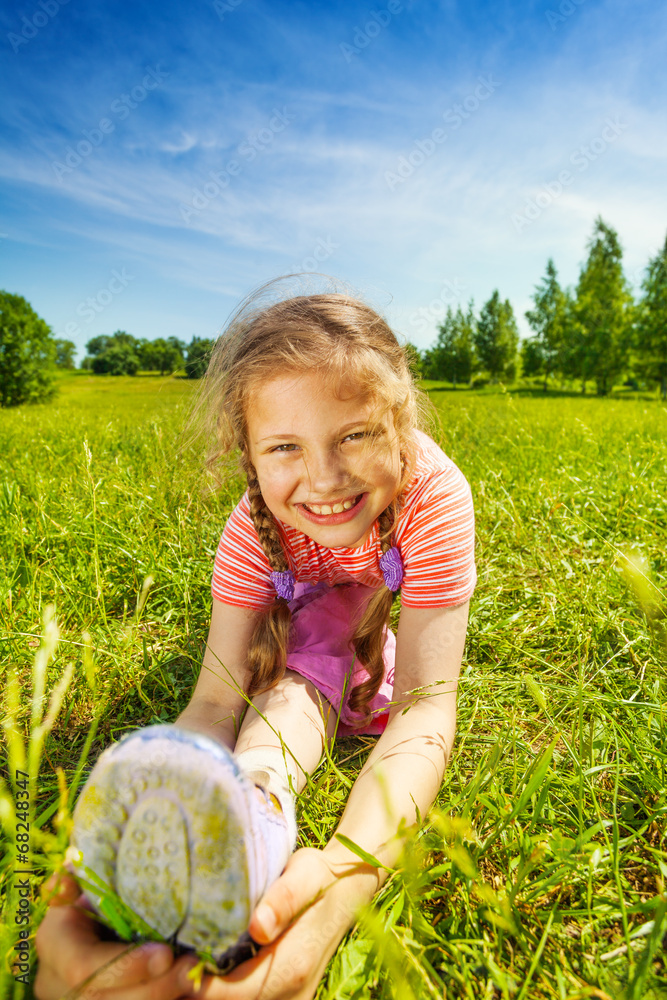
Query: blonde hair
<point x="342" y="337"/>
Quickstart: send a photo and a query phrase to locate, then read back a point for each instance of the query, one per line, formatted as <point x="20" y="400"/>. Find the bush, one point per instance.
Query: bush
<point x="27" y="353"/>
<point x="119" y="359"/>
<point x="198" y="356"/>
<point x="165" y="356"/>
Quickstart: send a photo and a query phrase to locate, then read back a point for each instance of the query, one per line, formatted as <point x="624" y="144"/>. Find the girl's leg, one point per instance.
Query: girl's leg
<point x="290" y="738"/>
<point x="182" y="838"/>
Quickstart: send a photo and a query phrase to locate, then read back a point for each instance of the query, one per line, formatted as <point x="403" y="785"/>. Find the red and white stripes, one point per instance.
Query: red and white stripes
<point x="435" y="533"/>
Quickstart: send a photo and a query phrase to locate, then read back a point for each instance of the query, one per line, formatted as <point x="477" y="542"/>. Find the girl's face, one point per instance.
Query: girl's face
<point x="324" y="464"/>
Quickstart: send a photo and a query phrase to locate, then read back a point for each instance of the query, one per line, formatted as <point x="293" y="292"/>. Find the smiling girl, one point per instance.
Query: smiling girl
<point x="347" y="502"/>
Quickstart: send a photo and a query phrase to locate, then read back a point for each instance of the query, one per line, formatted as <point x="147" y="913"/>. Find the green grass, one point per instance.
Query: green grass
<point x="540" y="874"/>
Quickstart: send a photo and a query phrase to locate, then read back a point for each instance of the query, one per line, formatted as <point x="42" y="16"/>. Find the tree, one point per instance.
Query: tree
<point x="414" y="357"/>
<point x="97" y="345"/>
<point x="651" y="333"/>
<point x="198" y="356"/>
<point x="603" y="311"/>
<point x="65" y="351"/>
<point x="574" y="358"/>
<point x="113" y="355"/>
<point x="532" y="359"/>
<point x="178" y="345"/>
<point x="453" y="355"/>
<point x="543" y="354"/>
<point x="160" y="354"/>
<point x="118" y="359"/>
<point x="123" y="339"/>
<point x="496" y="338"/>
<point x="100" y="344"/>
<point x="27" y="353"/>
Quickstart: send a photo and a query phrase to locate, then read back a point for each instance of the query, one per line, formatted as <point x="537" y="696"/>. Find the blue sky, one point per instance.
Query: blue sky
<point x="158" y="161"/>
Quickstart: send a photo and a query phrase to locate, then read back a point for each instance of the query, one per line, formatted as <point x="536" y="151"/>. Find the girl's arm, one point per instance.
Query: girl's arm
<point x="405" y="768"/>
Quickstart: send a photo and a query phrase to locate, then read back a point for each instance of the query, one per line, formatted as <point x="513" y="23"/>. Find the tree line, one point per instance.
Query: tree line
<point x="30" y="354"/>
<point x="122" y="354"/>
<point x="596" y="332"/>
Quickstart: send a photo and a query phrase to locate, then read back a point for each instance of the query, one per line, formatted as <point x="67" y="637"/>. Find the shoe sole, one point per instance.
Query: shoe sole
<point x="165" y="820"/>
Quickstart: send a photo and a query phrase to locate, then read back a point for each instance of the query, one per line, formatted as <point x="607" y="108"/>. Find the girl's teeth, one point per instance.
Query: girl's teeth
<point x="337" y="508"/>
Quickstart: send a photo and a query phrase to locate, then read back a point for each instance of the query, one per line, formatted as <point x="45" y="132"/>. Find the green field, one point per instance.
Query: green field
<point x="541" y="873"/>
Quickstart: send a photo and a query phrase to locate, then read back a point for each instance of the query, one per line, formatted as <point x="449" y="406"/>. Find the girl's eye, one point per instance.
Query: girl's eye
<point x="355" y="436"/>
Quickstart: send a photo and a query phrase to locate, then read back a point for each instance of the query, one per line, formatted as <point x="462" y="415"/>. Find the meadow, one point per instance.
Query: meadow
<point x="541" y="871"/>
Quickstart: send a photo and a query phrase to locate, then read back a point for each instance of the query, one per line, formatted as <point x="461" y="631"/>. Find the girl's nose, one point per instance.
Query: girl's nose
<point x="325" y="473"/>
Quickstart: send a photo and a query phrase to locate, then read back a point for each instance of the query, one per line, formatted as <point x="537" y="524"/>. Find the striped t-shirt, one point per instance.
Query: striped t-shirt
<point x="435" y="534"/>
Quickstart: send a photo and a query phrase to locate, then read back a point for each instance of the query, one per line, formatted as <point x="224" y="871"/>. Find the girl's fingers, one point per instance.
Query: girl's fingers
<point x="289" y="968"/>
<point x="304" y="878"/>
<point x="60" y="889"/>
<point x="70" y="951"/>
<point x="169" y="986"/>
<point x="271" y="975"/>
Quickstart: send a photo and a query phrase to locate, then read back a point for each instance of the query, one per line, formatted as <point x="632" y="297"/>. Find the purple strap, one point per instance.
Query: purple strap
<point x="284" y="584"/>
<point x="391" y="565"/>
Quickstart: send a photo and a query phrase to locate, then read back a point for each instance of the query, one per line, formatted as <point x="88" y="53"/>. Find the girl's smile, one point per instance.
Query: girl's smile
<point x="334" y="512"/>
<point x="325" y="464"/>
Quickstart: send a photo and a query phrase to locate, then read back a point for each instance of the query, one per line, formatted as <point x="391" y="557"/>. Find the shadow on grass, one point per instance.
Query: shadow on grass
<point x="531" y="392"/>
<point x="624" y="394"/>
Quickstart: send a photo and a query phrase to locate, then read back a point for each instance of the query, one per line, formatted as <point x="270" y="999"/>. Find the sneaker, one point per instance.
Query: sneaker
<point x="169" y="821"/>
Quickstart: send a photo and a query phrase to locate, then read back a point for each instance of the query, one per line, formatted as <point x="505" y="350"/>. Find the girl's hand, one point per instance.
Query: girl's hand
<point x="70" y="951"/>
<point x="299" y="922"/>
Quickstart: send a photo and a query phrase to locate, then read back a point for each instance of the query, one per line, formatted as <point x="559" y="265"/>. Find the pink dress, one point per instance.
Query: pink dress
<point x="323" y="620"/>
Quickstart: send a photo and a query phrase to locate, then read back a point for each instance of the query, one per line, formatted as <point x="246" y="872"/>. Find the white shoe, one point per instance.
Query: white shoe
<point x="169" y="821"/>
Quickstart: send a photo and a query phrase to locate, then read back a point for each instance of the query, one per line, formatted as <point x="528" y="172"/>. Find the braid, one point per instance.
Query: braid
<point x="265" y="525"/>
<point x="267" y="650"/>
<point x="368" y="640"/>
<point x="385" y="527"/>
